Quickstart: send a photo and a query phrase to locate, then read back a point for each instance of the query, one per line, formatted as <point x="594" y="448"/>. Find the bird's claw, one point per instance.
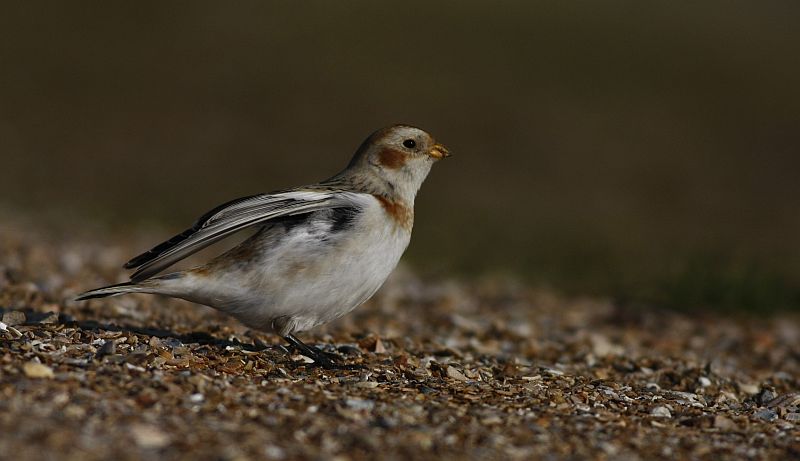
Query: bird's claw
<point x="320" y="358"/>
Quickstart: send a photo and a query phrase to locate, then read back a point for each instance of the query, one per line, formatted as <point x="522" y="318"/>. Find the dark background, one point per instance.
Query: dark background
<point x="644" y="152"/>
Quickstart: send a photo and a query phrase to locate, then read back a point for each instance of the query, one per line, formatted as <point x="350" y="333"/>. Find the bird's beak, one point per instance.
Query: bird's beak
<point x="439" y="152"/>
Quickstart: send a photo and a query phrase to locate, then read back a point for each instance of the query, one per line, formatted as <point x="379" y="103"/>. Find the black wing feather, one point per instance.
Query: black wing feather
<point x="159" y="249"/>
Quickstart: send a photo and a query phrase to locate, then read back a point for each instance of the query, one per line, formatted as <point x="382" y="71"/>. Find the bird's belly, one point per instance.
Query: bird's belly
<point x="309" y="278"/>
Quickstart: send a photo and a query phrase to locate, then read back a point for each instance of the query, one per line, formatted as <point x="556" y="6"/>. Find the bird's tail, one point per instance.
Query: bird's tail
<point x="112" y="290"/>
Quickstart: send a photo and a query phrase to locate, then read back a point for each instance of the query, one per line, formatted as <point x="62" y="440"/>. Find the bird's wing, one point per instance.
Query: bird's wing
<point x="232" y="217"/>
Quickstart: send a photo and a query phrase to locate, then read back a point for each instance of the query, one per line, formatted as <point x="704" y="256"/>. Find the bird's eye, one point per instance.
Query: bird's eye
<point x="410" y="143"/>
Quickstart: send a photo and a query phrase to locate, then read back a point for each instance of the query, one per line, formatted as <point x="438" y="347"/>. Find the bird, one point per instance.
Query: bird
<point x="317" y="251"/>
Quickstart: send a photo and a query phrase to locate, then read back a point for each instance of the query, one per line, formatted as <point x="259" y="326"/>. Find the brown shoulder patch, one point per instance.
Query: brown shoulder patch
<point x="392" y="158"/>
<point x="402" y="215"/>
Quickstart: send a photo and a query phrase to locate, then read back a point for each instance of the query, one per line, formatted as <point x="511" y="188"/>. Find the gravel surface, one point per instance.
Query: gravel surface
<point x="487" y="370"/>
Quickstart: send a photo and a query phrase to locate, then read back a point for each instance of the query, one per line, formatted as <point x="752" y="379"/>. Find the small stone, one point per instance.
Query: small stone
<point x="149" y="437"/>
<point x="751" y="389"/>
<point x="704" y="382"/>
<point x="74" y="412"/>
<point x="12" y="318"/>
<point x="602" y="347"/>
<point x="176" y="343"/>
<point x="131" y="366"/>
<point x="379" y="347"/>
<point x="453" y="373"/>
<point x="661" y="412"/>
<point x="764" y="397"/>
<point x="652" y="387"/>
<point x="49" y="318"/>
<point x="360" y="404"/>
<point x="37" y="370"/>
<point x="302" y="358"/>
<point x="109" y="347"/>
<point x="367" y="384"/>
<point x="274" y="452"/>
<point x="553" y="372"/>
<point x="766" y="415"/>
<point x="784" y="401"/>
<point x="609" y="448"/>
<point x="724" y="423"/>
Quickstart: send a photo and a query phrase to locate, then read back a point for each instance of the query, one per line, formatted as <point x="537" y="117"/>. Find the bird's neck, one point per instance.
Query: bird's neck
<point x="402" y="192"/>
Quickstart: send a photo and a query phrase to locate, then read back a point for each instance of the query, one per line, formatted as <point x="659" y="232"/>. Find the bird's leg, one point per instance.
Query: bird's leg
<point x="311" y="352"/>
<point x="319" y="357"/>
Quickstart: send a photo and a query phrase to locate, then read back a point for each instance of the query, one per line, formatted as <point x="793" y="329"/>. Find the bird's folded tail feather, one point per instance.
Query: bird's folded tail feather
<point x="111" y="290"/>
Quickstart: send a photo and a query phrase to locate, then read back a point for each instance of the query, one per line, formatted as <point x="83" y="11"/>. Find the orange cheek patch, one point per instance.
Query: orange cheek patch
<point x="391" y="158"/>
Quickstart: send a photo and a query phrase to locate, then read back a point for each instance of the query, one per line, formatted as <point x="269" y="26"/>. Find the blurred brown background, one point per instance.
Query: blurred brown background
<point x="645" y="152"/>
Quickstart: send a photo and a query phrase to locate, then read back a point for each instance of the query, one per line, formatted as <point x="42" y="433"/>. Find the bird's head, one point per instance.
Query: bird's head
<point x="400" y="157"/>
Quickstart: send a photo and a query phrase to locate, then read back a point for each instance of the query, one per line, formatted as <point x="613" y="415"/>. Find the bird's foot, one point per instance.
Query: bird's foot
<point x="331" y="362"/>
<point x="321" y="358"/>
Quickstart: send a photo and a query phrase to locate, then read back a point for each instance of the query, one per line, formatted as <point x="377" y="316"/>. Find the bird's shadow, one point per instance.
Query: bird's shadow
<point x="195" y="337"/>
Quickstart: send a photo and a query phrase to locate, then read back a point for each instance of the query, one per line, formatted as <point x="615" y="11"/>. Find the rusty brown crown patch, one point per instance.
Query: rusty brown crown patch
<point x="392" y="158"/>
<point x="402" y="215"/>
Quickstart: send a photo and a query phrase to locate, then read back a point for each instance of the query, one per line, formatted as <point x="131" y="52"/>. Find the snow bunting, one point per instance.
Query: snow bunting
<point x="318" y="252"/>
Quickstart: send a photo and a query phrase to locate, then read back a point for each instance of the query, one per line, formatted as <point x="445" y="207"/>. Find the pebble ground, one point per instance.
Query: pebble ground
<point x="482" y="370"/>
